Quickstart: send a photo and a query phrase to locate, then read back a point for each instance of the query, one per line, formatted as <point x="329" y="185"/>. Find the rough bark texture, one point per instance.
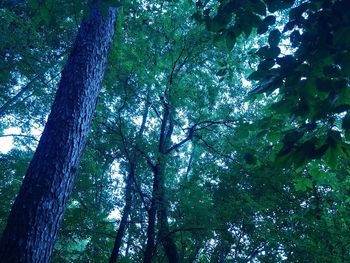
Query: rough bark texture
<point x="37" y="212"/>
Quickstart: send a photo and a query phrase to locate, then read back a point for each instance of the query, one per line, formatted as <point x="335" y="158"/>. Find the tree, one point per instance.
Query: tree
<point x="37" y="212"/>
<point x="220" y="134"/>
<point x="133" y="159"/>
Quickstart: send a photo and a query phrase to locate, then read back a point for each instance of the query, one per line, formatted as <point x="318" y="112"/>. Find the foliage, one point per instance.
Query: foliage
<point x="257" y="164"/>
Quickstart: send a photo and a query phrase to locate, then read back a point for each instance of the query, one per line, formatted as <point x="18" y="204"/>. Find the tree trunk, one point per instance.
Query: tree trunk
<point x="159" y="203"/>
<point x="124" y="220"/>
<point x="152" y="213"/>
<point x="165" y="237"/>
<point x="37" y="212"/>
<point x="132" y="160"/>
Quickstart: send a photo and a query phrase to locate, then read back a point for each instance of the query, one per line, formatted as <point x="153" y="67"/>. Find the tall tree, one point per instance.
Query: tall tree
<point x="224" y="153"/>
<point x="37" y="212"/>
<point x="132" y="156"/>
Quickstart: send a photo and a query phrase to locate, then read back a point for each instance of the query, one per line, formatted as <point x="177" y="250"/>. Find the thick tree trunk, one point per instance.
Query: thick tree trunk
<point x="37" y="212"/>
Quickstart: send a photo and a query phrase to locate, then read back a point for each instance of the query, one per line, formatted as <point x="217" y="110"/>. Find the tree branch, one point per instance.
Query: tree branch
<point x="19" y="135"/>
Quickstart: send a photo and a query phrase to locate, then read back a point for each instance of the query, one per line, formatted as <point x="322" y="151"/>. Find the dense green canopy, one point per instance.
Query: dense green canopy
<point x="239" y="108"/>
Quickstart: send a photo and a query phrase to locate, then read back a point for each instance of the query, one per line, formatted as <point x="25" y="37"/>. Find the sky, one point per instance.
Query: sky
<point x="6" y="143"/>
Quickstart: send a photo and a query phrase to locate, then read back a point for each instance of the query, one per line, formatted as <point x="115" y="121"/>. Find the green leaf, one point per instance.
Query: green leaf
<point x="266" y="64"/>
<point x="274" y="37"/>
<point x="215" y="26"/>
<point x="273" y="137"/>
<point x="289" y="26"/>
<point x="332" y="71"/>
<point x="257" y="75"/>
<point x="293" y="136"/>
<point x="295" y="13"/>
<point x="268" y="52"/>
<point x="302" y="184"/>
<point x="347" y="135"/>
<point x="230" y="40"/>
<point x="262" y="29"/>
<point x="259" y="8"/>
<point x="269" y="20"/>
<point x="346" y="121"/>
<point x="34" y="4"/>
<point x="244" y="21"/>
<point x="331" y="157"/>
<point x="44" y="13"/>
<point x="255" y="20"/>
<point x="284" y="106"/>
<point x="250" y="158"/>
<point x="317" y="174"/>
<point x="275" y="5"/>
<point x="221" y="72"/>
<point x="283" y="160"/>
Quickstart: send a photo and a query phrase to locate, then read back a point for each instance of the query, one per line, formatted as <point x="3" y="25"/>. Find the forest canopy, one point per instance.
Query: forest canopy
<point x="209" y="131"/>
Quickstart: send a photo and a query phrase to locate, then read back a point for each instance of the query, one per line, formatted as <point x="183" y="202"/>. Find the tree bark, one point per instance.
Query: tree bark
<point x="37" y="212"/>
<point x="165" y="237"/>
<point x="152" y="213"/>
<point x="158" y="202"/>
<point x="124" y="220"/>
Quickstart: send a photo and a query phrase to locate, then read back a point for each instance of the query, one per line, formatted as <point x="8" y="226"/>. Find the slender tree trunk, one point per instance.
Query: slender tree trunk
<point x="165" y="237"/>
<point x="132" y="159"/>
<point x="37" y="212"/>
<point x="151" y="229"/>
<point x="124" y="219"/>
<point x="159" y="203"/>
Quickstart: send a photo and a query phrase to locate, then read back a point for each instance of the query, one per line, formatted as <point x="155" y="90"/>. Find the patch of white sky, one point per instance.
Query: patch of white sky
<point x="6" y="141"/>
<point x="158" y="7"/>
<point x="7" y="136"/>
